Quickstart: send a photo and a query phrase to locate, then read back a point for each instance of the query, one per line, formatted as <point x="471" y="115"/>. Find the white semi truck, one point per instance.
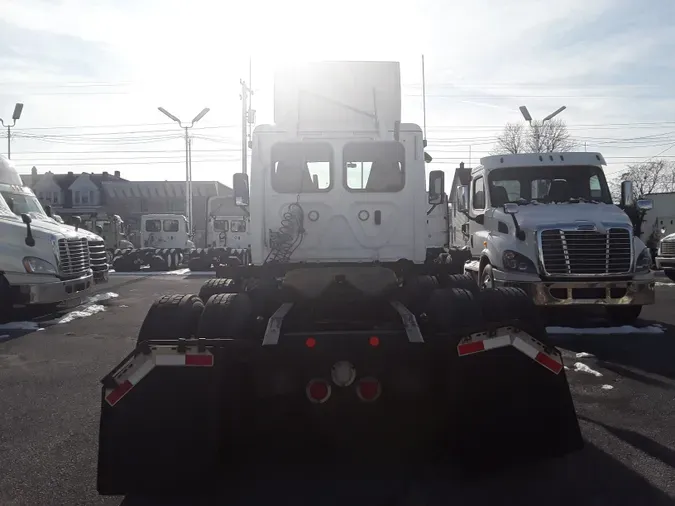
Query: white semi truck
<point x="227" y="235"/>
<point x="41" y="260"/>
<point x="165" y="244"/>
<point x="545" y="222"/>
<point x="339" y="343"/>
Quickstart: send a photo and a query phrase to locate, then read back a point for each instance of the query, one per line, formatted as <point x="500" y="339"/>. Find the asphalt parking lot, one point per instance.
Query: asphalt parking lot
<point x="622" y="380"/>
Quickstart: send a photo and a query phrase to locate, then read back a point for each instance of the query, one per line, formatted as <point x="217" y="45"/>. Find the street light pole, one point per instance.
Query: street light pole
<point x="15" y="116"/>
<point x="528" y="117"/>
<point x="188" y="156"/>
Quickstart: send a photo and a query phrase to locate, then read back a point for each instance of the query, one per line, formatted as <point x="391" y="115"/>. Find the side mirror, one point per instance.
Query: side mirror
<point x="645" y="204"/>
<point x="48" y="211"/>
<point x="436" y="187"/>
<point x="511" y="208"/>
<point x="627" y="199"/>
<point x="240" y="189"/>
<point x="30" y="240"/>
<point x="463" y="198"/>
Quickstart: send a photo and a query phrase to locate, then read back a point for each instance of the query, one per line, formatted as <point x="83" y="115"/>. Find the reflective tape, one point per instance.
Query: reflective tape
<point x="140" y="365"/>
<point x="509" y="336"/>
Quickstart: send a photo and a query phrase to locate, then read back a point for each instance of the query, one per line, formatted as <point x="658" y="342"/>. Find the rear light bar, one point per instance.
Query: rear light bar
<point x="511" y="336"/>
<point x="138" y="367"/>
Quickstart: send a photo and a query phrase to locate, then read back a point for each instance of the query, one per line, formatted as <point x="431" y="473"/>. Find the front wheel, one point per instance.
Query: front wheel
<point x="623" y="315"/>
<point x="487" y="278"/>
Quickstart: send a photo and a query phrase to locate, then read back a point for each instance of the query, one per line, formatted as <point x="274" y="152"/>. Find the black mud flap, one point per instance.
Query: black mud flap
<point x="509" y="407"/>
<point x="167" y="434"/>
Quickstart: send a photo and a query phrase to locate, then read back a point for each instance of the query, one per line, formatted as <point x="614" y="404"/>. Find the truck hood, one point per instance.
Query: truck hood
<point x="70" y="230"/>
<point x="533" y="216"/>
<point x="669" y="237"/>
<point x="50" y="228"/>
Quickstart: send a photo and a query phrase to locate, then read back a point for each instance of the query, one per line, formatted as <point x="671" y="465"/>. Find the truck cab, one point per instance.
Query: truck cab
<point x="546" y="223"/>
<point x="41" y="261"/>
<point x="227" y="225"/>
<point x="165" y="231"/>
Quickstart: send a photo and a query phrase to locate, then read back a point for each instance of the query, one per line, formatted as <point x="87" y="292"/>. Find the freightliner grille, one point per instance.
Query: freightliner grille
<point x="668" y="248"/>
<point x="99" y="261"/>
<point x="73" y="257"/>
<point x="586" y="252"/>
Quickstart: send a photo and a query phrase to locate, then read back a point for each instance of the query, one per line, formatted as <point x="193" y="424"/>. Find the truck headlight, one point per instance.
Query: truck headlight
<point x="35" y="265"/>
<point x="514" y="261"/>
<point x="644" y="261"/>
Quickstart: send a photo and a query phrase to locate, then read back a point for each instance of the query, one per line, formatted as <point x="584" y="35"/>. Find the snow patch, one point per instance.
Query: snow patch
<point x="82" y="313"/>
<point x="625" y="329"/>
<point x="20" y="326"/>
<point x="179" y="272"/>
<point x="607" y="387"/>
<point x="579" y="367"/>
<point x="100" y="297"/>
<point x="583" y="354"/>
<point x="658" y="283"/>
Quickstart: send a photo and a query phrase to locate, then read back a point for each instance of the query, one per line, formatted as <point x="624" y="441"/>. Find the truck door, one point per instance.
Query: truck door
<point x="477" y="207"/>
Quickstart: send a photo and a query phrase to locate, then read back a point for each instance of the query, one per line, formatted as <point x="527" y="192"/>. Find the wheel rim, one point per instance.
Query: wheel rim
<point x="486" y="283"/>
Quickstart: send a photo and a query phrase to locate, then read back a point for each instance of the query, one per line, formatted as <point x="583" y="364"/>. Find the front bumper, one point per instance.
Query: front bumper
<point x="54" y="292"/>
<point x="665" y="262"/>
<point x="638" y="291"/>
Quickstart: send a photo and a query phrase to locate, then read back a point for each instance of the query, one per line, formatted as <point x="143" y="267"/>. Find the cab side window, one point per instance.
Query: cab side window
<point x="478" y="195"/>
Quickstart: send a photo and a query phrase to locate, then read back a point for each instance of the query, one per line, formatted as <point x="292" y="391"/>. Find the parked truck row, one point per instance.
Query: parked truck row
<point x="42" y="261"/>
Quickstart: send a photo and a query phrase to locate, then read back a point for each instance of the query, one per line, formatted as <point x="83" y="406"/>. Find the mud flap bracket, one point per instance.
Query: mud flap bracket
<point x="410" y="325"/>
<point x="273" y="330"/>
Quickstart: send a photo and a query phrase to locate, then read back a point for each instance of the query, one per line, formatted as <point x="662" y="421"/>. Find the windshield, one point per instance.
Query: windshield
<point x="548" y="184"/>
<point x="21" y="203"/>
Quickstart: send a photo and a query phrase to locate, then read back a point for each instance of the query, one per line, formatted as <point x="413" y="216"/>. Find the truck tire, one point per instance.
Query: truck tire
<point x="215" y="286"/>
<point x="506" y="305"/>
<point x="158" y="263"/>
<point x="171" y="317"/>
<point x="454" y="311"/>
<point x="465" y="281"/>
<point x="416" y="292"/>
<point x="670" y="273"/>
<point x="623" y="315"/>
<point x="228" y="315"/>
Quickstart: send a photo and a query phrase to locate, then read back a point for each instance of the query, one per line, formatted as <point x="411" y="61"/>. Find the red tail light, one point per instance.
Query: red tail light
<point x="318" y="391"/>
<point x="368" y="389"/>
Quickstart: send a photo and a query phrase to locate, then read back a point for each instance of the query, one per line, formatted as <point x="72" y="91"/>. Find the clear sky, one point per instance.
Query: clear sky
<point x="92" y="73"/>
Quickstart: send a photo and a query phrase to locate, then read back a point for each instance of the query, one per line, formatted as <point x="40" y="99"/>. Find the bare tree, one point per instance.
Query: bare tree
<point x="656" y="176"/>
<point x="550" y="137"/>
<point x="541" y="137"/>
<point x="512" y="140"/>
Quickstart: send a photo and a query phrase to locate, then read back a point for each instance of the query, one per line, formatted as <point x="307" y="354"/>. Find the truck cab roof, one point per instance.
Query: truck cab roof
<point x="540" y="160"/>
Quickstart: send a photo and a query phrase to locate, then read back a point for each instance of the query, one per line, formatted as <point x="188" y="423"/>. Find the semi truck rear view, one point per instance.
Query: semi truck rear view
<point x="340" y="350"/>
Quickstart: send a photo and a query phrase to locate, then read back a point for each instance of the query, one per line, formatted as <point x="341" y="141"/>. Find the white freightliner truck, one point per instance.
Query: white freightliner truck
<point x="665" y="255"/>
<point x="546" y="223"/>
<point x="227" y="236"/>
<point x="338" y="343"/>
<point x="41" y="261"/>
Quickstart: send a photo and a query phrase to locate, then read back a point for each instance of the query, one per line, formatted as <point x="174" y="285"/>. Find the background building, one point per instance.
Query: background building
<point x="89" y="195"/>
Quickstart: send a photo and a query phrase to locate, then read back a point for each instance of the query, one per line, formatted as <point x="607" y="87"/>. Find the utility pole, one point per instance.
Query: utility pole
<point x="188" y="161"/>
<point x="246" y="118"/>
<point x="15" y="116"/>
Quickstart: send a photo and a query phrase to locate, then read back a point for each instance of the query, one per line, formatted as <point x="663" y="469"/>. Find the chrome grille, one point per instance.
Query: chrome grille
<point x="668" y="248"/>
<point x="586" y="252"/>
<point x="73" y="257"/>
<point x="97" y="256"/>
